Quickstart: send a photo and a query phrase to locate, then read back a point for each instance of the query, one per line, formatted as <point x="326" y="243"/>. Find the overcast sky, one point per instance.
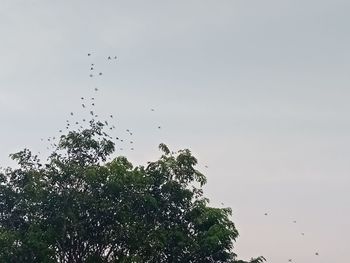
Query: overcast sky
<point x="257" y="89"/>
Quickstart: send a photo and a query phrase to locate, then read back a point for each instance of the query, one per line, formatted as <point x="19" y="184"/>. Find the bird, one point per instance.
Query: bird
<point x="302" y="234"/>
<point x="294" y="221"/>
<point x="265" y="214"/>
<point x="82" y="98"/>
<point x="316" y="254"/>
<point x="91" y="75"/>
<point x="83" y="105"/>
<point x="132" y="149"/>
<point x="290" y="260"/>
<point x="109" y="57"/>
<point x="92" y="104"/>
<point x="100" y="73"/>
<point x="96" y="89"/>
<point x="91" y="112"/>
<point x="131" y="142"/>
<point x="152" y="109"/>
<point x="60" y="130"/>
<point x="71" y="114"/>
<point x="111" y="116"/>
<point x="91" y="68"/>
<point x="115" y="57"/>
<point x="89" y="54"/>
<point x="206" y="166"/>
<point x="159" y="127"/>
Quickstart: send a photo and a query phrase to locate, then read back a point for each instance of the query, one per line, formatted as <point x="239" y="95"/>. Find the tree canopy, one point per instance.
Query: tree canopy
<point x="79" y="207"/>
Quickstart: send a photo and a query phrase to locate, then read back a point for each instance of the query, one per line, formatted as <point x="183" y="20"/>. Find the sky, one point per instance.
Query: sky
<point x="258" y="90"/>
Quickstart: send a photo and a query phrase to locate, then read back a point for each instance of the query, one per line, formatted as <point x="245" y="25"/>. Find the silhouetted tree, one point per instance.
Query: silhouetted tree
<point x="77" y="207"/>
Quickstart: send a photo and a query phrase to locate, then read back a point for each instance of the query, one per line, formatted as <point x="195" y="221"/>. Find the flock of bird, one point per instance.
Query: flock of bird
<point x="88" y="104"/>
<point x="302" y="233"/>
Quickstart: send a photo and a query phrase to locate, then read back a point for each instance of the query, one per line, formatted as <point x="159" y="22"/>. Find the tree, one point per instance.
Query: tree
<point x="77" y="207"/>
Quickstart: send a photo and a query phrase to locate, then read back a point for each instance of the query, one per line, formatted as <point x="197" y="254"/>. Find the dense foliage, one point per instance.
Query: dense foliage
<point x="77" y="207"/>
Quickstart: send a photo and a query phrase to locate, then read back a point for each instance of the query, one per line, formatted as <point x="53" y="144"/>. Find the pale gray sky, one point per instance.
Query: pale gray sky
<point x="257" y="89"/>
